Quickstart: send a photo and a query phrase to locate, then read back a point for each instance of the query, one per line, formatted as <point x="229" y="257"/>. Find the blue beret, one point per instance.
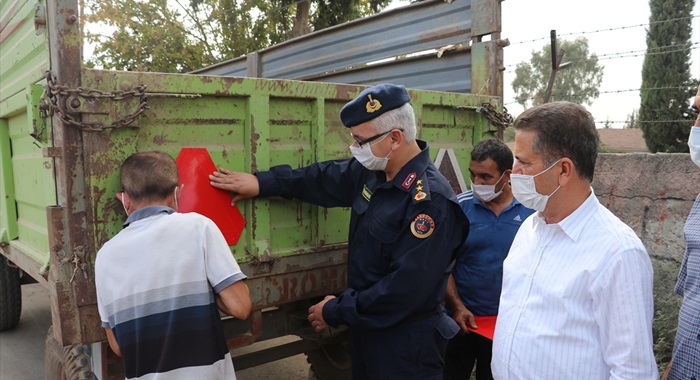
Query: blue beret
<point x="373" y="102"/>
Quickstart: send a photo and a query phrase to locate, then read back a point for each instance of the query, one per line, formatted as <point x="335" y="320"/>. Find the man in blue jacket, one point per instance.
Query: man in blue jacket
<point x="475" y="284"/>
<point x="405" y="229"/>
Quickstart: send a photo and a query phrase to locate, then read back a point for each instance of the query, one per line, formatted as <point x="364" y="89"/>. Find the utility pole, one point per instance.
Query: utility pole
<point x="556" y="61"/>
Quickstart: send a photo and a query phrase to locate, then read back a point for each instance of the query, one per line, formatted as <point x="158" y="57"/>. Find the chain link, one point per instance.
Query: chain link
<point x="57" y="96"/>
<point x="499" y="119"/>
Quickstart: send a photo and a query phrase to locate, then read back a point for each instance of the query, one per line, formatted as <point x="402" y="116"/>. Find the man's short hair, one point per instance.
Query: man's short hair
<point x="149" y="176"/>
<point x="562" y="129"/>
<point x="496" y="150"/>
<point x="399" y="118"/>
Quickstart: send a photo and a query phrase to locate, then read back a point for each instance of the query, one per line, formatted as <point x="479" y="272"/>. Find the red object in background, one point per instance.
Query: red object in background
<point x="194" y="166"/>
<point x="486" y="325"/>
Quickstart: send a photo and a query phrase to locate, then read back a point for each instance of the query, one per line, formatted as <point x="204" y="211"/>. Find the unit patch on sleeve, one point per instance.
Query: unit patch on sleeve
<point x="422" y="226"/>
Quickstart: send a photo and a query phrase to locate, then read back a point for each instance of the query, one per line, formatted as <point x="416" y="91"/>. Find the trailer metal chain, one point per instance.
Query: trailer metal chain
<point x="57" y="96"/>
<point x="499" y="119"/>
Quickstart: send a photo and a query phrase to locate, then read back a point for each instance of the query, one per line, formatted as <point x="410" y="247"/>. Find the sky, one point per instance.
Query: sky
<point x="533" y="19"/>
<point x="526" y="20"/>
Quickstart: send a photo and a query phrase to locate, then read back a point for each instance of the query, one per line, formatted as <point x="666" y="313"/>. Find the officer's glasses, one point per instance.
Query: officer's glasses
<point x="370" y="139"/>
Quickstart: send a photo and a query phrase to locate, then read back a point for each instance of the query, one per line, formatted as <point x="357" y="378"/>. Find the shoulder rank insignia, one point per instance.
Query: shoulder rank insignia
<point x="419" y="194"/>
<point x="409" y="181"/>
<point x="373" y="104"/>
<point x="422" y="226"/>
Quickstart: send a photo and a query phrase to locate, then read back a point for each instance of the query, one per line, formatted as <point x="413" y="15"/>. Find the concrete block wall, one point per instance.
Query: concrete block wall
<point x="653" y="194"/>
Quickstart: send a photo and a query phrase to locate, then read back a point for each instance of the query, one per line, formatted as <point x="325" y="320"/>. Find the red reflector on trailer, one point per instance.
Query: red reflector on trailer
<point x="194" y="166"/>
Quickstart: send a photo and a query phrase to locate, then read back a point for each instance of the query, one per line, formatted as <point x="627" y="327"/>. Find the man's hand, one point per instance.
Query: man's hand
<point x="464" y="318"/>
<point x="696" y="103"/>
<point x="316" y="315"/>
<point x="244" y="185"/>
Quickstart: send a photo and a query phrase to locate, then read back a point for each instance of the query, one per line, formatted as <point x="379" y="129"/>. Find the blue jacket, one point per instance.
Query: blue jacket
<point x="478" y="271"/>
<point x="403" y="235"/>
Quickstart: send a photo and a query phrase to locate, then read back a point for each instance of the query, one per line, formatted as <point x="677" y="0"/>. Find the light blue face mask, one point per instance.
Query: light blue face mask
<point x="694" y="145"/>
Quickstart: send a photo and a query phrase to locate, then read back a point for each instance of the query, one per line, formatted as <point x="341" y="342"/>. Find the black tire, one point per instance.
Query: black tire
<point x="66" y="363"/>
<point x="330" y="362"/>
<point x="10" y="295"/>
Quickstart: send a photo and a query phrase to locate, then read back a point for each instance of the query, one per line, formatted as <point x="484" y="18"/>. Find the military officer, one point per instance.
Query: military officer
<point x="405" y="229"/>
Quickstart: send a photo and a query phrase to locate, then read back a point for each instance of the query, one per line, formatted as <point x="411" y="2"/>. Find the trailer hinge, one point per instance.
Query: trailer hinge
<point x="68" y="104"/>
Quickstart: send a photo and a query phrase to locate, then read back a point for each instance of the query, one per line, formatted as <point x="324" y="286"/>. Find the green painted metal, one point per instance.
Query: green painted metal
<point x="8" y="212"/>
<point x="23" y="52"/>
<point x="252" y="124"/>
<point x="27" y="180"/>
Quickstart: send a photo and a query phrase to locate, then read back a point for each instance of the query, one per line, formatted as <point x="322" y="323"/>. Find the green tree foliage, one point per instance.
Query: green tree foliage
<point x="578" y="82"/>
<point x="666" y="81"/>
<point x="632" y="120"/>
<point x="184" y="35"/>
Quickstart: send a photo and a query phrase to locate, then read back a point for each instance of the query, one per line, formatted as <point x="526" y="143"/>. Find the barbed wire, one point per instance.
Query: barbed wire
<point x="605" y="30"/>
<point x="674" y="48"/>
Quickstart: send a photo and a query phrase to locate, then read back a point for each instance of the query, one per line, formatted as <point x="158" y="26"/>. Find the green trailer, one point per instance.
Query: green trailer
<point x="65" y="129"/>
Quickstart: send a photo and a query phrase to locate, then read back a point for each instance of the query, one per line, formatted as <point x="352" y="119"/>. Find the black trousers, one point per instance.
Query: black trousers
<point x="410" y="351"/>
<point x="465" y="350"/>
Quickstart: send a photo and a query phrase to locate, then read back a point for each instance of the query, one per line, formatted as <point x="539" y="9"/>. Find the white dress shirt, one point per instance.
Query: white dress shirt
<point x="577" y="301"/>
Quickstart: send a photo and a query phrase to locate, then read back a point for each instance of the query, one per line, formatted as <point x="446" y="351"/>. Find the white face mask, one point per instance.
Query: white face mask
<point x="363" y="154"/>
<point x="487" y="193"/>
<point x="694" y="145"/>
<point x="525" y="191"/>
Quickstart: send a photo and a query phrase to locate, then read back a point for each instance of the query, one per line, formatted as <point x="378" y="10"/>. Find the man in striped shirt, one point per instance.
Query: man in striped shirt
<point x="577" y="298"/>
<point x="160" y="279"/>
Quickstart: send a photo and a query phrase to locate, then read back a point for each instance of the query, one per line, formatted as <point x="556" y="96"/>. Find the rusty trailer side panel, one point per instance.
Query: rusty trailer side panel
<point x="64" y="134"/>
<point x="291" y="250"/>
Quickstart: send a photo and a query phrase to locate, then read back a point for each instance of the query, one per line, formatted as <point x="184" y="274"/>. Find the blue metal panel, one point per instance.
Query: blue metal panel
<point x="339" y="54"/>
<point x="451" y="73"/>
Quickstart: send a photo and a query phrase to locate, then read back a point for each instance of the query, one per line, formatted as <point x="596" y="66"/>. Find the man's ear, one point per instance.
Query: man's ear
<point x="568" y="171"/>
<point x="396" y="136"/>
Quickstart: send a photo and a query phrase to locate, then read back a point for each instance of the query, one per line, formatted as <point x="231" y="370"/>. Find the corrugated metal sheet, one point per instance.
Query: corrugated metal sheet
<point x="340" y="54"/>
<point x="23" y="52"/>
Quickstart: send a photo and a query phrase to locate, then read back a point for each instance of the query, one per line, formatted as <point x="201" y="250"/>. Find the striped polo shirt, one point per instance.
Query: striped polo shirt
<point x="156" y="282"/>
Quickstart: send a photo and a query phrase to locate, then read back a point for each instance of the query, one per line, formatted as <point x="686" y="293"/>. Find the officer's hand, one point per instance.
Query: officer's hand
<point x="464" y="318"/>
<point x="696" y="103"/>
<point x="243" y="185"/>
<point x="316" y="315"/>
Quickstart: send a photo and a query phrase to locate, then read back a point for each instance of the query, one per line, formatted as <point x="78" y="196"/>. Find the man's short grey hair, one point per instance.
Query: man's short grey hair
<point x="401" y="118"/>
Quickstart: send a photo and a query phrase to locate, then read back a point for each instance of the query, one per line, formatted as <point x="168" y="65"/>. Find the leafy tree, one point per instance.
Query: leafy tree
<point x="184" y="35"/>
<point x="631" y="121"/>
<point x="666" y="81"/>
<point x="578" y="82"/>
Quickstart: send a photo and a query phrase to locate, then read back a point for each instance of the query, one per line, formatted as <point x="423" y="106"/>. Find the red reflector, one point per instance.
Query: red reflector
<point x="194" y="166"/>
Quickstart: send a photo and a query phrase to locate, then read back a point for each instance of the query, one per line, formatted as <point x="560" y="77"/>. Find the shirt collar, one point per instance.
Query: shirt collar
<point x="145" y="212"/>
<point x="574" y="224"/>
<point x="417" y="166"/>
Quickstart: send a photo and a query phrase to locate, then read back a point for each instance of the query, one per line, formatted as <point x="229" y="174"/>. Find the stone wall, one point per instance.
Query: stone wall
<point x="653" y="194"/>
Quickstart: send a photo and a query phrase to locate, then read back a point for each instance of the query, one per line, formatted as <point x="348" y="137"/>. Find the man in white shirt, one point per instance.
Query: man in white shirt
<point x="577" y="298"/>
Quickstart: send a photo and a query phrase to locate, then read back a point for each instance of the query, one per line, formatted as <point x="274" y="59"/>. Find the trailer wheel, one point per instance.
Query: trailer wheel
<point x="10" y="295"/>
<point x="66" y="363"/>
<point x="330" y="362"/>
